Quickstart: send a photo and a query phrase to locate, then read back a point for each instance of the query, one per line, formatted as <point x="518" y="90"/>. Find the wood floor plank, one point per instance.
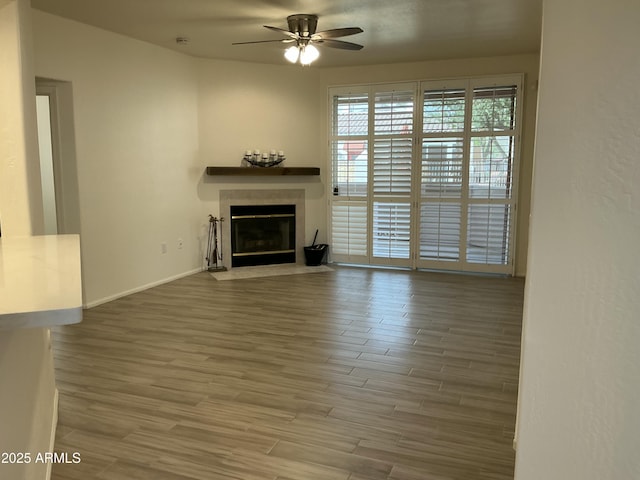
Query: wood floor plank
<point x="351" y="374"/>
<point x="370" y="468"/>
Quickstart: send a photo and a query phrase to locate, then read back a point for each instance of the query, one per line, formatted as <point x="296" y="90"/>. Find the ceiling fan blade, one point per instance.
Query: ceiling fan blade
<point x="284" y="40"/>
<point x="338" y="32"/>
<point x="339" y="44"/>
<point x="282" y="30"/>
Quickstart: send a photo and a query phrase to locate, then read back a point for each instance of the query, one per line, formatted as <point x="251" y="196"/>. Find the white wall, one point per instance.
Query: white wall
<point x="27" y="399"/>
<point x="20" y="194"/>
<point x="456" y="68"/>
<point x="27" y="390"/>
<point x="254" y="106"/>
<point x="136" y="132"/>
<point x="579" y="386"/>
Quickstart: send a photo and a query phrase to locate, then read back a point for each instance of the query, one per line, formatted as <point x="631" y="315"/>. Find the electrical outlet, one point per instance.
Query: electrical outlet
<point x="180" y="244"/>
<point x="163" y="248"/>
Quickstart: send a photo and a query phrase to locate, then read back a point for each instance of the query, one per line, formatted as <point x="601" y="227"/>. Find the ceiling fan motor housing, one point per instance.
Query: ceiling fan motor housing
<point x="303" y="24"/>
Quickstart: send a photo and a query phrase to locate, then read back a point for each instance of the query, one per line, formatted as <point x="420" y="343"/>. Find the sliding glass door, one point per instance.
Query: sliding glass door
<point x="441" y="195"/>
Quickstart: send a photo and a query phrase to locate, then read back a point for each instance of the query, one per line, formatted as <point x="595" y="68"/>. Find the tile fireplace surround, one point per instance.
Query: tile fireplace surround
<point x="261" y="197"/>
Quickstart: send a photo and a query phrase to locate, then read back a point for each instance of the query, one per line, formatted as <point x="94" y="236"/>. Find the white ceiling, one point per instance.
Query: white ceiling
<point x="394" y="30"/>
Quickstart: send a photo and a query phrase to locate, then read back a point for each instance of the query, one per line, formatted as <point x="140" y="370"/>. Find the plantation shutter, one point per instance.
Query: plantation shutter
<point x="350" y="177"/>
<point x="442" y="171"/>
<point x="349" y="145"/>
<point x="392" y="164"/>
<point x="349" y="229"/>
<point x="491" y="166"/>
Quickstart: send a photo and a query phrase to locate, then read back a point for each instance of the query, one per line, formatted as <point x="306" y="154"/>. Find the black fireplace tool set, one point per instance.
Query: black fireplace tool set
<point x="214" y="254"/>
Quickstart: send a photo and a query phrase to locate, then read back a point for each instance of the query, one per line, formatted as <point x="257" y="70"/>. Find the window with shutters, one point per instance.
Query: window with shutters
<point x="350" y="174"/>
<point x="424" y="173"/>
<point x="491" y="166"/>
<point x="391" y="168"/>
<point x="442" y="172"/>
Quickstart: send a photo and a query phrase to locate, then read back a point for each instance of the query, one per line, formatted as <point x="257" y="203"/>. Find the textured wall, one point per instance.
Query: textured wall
<point x="20" y="193"/>
<point x="136" y="138"/>
<point x="580" y="389"/>
<point x="245" y="106"/>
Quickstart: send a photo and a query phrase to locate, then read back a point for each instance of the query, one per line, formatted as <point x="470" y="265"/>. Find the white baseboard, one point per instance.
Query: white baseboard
<point x="110" y="298"/>
<point x="54" y="426"/>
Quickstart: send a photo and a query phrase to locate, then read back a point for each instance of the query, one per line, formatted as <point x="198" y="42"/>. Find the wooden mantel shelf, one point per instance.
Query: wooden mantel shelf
<point x="262" y="171"/>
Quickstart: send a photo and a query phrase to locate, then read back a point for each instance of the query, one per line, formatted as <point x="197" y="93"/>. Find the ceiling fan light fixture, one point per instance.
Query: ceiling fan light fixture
<point x="302" y="31"/>
<point x="308" y="54"/>
<point x="292" y="54"/>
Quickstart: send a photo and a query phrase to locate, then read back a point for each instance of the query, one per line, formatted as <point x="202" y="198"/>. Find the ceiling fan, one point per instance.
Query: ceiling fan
<point x="302" y="32"/>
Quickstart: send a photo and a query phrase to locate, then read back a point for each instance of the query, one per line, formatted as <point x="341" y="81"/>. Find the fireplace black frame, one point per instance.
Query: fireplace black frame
<point x="262" y="234"/>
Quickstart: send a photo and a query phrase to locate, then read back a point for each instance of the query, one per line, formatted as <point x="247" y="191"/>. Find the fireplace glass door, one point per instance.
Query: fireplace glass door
<point x="263" y="234"/>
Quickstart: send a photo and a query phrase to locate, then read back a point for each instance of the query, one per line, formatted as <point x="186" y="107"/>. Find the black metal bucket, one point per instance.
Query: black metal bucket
<point x="315" y="254"/>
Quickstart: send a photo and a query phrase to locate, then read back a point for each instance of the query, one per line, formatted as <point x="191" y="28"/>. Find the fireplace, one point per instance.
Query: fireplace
<point x="259" y="202"/>
<point x="263" y="234"/>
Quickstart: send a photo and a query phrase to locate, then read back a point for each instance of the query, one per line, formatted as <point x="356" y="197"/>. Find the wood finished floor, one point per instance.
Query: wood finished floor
<point x="352" y="374"/>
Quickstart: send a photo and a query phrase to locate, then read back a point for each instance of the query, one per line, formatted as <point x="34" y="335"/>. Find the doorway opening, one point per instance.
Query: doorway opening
<point x="58" y="166"/>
